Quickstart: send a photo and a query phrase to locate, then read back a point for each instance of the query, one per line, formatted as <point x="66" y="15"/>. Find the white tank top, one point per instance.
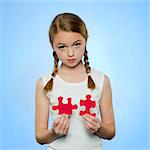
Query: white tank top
<point x="78" y="137"/>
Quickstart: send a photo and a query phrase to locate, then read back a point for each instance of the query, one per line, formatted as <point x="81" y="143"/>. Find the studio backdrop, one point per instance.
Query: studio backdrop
<point x="117" y="45"/>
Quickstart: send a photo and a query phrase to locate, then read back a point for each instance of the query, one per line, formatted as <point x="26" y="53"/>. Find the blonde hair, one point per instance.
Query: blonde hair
<point x="71" y="23"/>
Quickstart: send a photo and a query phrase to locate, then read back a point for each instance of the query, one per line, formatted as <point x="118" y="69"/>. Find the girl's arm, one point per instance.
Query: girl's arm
<point x="43" y="135"/>
<point x="104" y="128"/>
<point x="107" y="128"/>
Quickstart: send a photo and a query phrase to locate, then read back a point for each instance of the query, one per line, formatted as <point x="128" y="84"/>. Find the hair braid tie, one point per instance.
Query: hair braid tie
<point x="89" y="74"/>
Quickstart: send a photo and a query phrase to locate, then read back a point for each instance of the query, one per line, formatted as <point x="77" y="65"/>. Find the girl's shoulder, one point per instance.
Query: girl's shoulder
<point x="97" y="73"/>
<point x="45" y="78"/>
<point x="98" y="77"/>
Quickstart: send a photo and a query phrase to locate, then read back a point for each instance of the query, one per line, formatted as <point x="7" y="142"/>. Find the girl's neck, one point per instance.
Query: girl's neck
<point x="79" y="68"/>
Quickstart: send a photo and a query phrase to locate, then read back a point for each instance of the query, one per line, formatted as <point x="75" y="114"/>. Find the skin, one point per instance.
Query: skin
<point x="70" y="45"/>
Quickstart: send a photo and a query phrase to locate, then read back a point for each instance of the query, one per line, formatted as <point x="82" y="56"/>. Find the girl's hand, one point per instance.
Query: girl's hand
<point x="91" y="123"/>
<point x="61" y="125"/>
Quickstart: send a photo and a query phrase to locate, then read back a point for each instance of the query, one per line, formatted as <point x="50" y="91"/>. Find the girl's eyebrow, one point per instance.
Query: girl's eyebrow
<point x="77" y="41"/>
<point x="72" y="44"/>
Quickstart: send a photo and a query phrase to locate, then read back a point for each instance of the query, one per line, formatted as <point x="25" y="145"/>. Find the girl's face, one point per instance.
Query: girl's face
<point x="69" y="47"/>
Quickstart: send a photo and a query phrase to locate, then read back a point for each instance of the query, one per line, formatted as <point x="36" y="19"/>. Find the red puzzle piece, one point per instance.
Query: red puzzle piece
<point x="64" y="108"/>
<point x="88" y="103"/>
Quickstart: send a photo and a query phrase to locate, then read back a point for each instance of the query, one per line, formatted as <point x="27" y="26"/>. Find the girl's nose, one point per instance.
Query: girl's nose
<point x="70" y="52"/>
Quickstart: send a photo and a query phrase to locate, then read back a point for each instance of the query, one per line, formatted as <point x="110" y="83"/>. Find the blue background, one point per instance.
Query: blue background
<point x="117" y="46"/>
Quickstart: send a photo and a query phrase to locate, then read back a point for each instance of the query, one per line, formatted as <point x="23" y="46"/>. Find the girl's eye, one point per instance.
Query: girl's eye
<point x="77" y="44"/>
<point x="61" y="47"/>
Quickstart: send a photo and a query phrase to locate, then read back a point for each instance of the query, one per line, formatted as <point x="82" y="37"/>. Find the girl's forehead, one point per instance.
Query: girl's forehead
<point x="67" y="37"/>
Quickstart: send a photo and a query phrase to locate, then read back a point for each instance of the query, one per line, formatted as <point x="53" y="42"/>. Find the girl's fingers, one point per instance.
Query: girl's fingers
<point x="67" y="126"/>
<point x="94" y="119"/>
<point x="55" y="122"/>
<point x="91" y="122"/>
<point x="60" y="122"/>
<point x="89" y="119"/>
<point x="64" y="125"/>
<point x="88" y="127"/>
<point x="61" y="125"/>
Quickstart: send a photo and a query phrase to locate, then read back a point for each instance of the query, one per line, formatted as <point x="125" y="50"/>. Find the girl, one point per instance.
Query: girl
<point x="81" y="123"/>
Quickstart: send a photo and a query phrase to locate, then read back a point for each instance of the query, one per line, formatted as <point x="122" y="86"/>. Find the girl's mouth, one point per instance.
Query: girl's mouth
<point x="71" y="60"/>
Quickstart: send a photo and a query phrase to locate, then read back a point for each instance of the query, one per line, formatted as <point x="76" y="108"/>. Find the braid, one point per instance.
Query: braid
<point x="91" y="83"/>
<point x="49" y="84"/>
